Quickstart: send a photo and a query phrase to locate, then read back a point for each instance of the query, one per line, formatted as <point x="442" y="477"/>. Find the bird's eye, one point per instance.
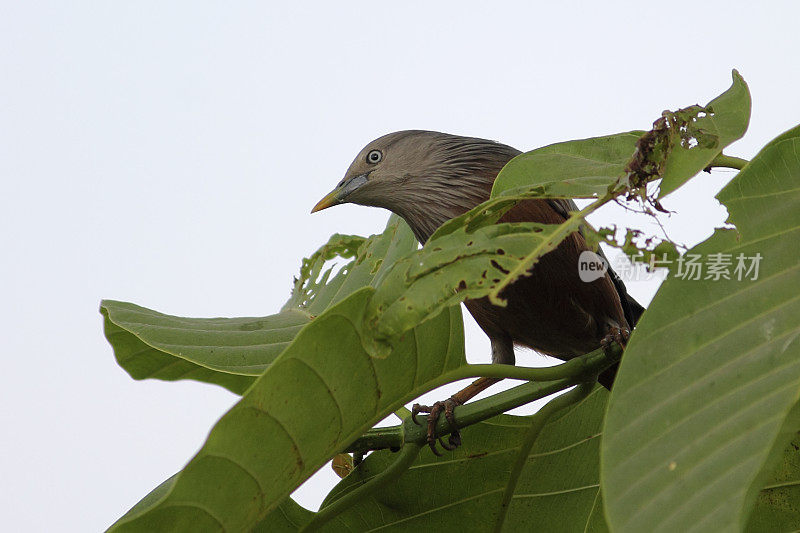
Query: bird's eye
<point x="374" y="156"/>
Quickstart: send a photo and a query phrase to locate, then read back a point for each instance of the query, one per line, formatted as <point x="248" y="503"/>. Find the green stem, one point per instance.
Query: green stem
<point x="539" y="420"/>
<point x="728" y="161"/>
<point x="578" y="368"/>
<point x="472" y="413"/>
<point x="405" y="459"/>
<point x="378" y="439"/>
<point x="543" y="382"/>
<point x="465" y="415"/>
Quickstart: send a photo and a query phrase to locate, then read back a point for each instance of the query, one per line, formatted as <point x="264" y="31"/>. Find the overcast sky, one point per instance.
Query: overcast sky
<point x="168" y="154"/>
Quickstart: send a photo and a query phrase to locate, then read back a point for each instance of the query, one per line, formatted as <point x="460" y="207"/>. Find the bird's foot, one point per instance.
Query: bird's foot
<point x="615" y="334"/>
<point x="434" y="411"/>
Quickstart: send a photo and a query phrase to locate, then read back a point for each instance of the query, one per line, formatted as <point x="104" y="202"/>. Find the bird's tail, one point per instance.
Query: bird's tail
<point x="633" y="309"/>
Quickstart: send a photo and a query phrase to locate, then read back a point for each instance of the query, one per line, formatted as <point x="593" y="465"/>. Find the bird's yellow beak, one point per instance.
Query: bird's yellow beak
<point x="340" y="194"/>
<point x="330" y="199"/>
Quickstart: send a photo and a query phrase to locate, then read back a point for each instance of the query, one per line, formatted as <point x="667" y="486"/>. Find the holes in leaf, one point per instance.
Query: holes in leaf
<point x="689" y="143"/>
<point x="498" y="267"/>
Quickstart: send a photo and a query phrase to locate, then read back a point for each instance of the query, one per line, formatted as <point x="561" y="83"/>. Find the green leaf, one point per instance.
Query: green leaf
<point x="573" y="169"/>
<point x="557" y="489"/>
<point x="225" y="351"/>
<point x="712" y="371"/>
<point x="287" y="517"/>
<point x="320" y="394"/>
<point x="232" y="352"/>
<point x="704" y="136"/>
<point x="778" y="505"/>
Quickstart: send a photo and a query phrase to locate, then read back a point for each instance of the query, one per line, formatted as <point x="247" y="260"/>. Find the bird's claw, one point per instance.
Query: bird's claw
<point x="615" y="334"/>
<point x="434" y="411"/>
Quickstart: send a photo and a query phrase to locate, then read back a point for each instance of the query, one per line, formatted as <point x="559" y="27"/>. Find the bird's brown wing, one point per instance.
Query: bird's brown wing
<point x="632" y="309"/>
<point x="562" y="206"/>
<point x="552" y="310"/>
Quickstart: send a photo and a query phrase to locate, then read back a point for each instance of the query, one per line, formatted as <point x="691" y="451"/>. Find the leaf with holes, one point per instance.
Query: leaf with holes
<point x="706" y="390"/>
<point x="698" y="135"/>
<point x="449" y="269"/>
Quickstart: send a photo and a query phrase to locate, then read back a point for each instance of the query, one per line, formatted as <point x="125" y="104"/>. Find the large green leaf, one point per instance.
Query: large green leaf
<point x="224" y="351"/>
<point x="232" y="352"/>
<point x="287" y="517"/>
<point x="701" y="401"/>
<point x="319" y="395"/>
<point x="557" y="488"/>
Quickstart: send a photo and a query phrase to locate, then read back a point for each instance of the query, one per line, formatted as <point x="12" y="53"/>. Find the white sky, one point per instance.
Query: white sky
<point x="168" y="154"/>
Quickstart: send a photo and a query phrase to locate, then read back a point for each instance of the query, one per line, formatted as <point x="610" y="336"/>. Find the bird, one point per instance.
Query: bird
<point x="428" y="178"/>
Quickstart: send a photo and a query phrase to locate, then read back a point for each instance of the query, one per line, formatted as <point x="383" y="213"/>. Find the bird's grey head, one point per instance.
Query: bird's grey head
<point x="426" y="177"/>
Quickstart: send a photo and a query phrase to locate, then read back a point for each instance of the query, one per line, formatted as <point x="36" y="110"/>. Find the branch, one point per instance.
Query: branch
<point x="543" y="382"/>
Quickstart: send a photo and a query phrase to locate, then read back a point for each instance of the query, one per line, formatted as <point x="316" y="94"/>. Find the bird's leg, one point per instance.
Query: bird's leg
<point x="620" y="336"/>
<point x="615" y="334"/>
<point x="447" y="406"/>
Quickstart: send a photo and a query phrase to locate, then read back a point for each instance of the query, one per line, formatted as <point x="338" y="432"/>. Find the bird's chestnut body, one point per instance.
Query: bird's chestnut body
<point x="551" y="310"/>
